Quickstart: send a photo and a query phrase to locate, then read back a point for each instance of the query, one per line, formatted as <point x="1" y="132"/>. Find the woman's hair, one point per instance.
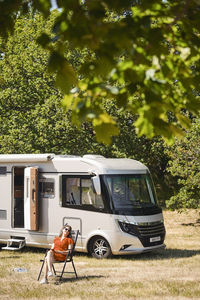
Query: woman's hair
<point x="70" y="231"/>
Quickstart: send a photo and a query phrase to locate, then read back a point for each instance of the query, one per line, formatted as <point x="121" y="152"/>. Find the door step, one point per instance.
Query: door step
<point x="14" y="244"/>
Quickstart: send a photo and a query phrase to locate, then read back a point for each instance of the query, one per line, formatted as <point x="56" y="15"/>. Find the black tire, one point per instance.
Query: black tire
<point x="99" y="248"/>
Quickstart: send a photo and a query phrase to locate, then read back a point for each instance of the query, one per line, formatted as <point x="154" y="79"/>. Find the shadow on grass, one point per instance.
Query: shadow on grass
<point x="155" y="255"/>
<point x="64" y="279"/>
<point x="163" y="254"/>
<point x="194" y="224"/>
<point x="33" y="250"/>
<point x="10" y="257"/>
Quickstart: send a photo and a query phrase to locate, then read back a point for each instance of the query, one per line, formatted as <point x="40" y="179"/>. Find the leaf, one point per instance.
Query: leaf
<point x="184" y="52"/>
<point x="66" y="77"/>
<point x="122" y="99"/>
<point x="105" y="131"/>
<point x="103" y="118"/>
<point x="150" y="74"/>
<point x="43" y="5"/>
<point x="43" y="40"/>
<point x="176" y="131"/>
<point x="184" y="121"/>
<point x="55" y="61"/>
<point x="68" y="101"/>
<point x="144" y="127"/>
<point x="112" y="89"/>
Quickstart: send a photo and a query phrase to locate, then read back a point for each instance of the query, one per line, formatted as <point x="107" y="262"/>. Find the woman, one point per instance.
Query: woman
<point x="60" y="248"/>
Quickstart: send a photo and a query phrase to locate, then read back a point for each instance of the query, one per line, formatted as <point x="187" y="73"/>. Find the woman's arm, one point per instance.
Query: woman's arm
<point x="52" y="247"/>
<point x="65" y="251"/>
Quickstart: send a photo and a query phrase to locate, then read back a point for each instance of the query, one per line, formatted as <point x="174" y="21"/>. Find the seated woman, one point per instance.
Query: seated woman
<point x="60" y="248"/>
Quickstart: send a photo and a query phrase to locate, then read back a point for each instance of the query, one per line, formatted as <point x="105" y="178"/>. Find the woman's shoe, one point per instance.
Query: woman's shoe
<point x="44" y="281"/>
<point x="50" y="274"/>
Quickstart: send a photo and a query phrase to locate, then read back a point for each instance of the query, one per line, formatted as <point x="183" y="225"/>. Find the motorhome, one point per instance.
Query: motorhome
<point x="112" y="202"/>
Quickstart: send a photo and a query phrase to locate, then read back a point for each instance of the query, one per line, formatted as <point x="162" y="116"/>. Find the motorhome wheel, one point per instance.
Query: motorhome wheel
<point x="99" y="248"/>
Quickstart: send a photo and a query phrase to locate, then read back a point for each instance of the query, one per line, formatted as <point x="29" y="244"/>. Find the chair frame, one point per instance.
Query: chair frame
<point x="68" y="259"/>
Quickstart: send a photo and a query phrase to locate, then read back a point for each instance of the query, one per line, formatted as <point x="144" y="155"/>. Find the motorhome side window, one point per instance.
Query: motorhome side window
<point x="3" y="170"/>
<point x="47" y="187"/>
<point x="77" y="191"/>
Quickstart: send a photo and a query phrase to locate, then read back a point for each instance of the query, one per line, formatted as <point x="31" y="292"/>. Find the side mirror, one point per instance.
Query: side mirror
<point x="96" y="184"/>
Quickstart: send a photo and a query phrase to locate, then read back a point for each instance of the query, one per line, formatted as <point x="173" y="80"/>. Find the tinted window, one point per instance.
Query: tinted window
<point x="47" y="188"/>
<point x="78" y="191"/>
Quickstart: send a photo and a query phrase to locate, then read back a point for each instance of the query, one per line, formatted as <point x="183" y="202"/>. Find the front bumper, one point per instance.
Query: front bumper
<point x="132" y="250"/>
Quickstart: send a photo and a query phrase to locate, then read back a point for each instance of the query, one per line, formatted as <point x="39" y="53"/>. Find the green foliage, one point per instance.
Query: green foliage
<point x="151" y="152"/>
<point x="144" y="54"/>
<point x="31" y="117"/>
<point x="184" y="164"/>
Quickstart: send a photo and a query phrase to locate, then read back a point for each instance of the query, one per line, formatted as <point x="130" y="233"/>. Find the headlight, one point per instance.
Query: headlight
<point x="128" y="228"/>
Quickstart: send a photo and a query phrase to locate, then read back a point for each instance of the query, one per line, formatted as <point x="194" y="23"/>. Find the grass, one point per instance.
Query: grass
<point x="173" y="273"/>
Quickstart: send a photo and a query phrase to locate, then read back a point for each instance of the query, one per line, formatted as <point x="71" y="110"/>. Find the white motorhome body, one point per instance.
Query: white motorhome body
<point x="111" y="201"/>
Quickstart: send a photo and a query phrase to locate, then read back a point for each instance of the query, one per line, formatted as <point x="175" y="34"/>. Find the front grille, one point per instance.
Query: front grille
<point x="151" y="230"/>
<point x="145" y="232"/>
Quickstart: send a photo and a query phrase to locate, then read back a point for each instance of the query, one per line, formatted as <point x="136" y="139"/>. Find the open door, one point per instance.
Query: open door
<point x="31" y="198"/>
<point x="18" y="194"/>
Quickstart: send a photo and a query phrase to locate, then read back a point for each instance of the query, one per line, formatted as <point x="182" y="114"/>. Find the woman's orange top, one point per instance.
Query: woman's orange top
<point x="61" y="245"/>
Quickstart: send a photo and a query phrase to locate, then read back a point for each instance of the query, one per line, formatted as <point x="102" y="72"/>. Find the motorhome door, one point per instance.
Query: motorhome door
<point x="31" y="198"/>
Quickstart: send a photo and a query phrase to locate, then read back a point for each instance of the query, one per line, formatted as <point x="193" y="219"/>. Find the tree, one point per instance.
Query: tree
<point x="184" y="164"/>
<point x="144" y="54"/>
<point x="151" y="152"/>
<point x="32" y="119"/>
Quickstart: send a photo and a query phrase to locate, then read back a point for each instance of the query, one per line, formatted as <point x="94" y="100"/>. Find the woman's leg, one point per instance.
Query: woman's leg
<point x="44" y="280"/>
<point x="49" y="262"/>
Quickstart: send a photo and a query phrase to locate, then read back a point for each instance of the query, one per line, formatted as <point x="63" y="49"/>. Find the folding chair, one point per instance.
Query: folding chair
<point x="68" y="259"/>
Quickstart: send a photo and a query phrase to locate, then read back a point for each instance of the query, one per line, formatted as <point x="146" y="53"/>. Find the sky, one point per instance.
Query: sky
<point x="53" y="4"/>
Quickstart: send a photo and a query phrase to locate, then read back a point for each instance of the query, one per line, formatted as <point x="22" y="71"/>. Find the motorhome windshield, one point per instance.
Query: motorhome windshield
<point x="130" y="191"/>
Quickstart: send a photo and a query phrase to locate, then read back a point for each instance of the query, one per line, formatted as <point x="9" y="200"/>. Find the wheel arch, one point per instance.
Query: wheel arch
<point x="97" y="235"/>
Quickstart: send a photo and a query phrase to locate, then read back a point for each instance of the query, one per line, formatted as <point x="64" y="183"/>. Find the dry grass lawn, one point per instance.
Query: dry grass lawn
<point x="173" y="273"/>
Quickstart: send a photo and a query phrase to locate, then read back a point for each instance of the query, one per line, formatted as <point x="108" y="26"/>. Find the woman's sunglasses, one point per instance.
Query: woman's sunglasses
<point x="68" y="229"/>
